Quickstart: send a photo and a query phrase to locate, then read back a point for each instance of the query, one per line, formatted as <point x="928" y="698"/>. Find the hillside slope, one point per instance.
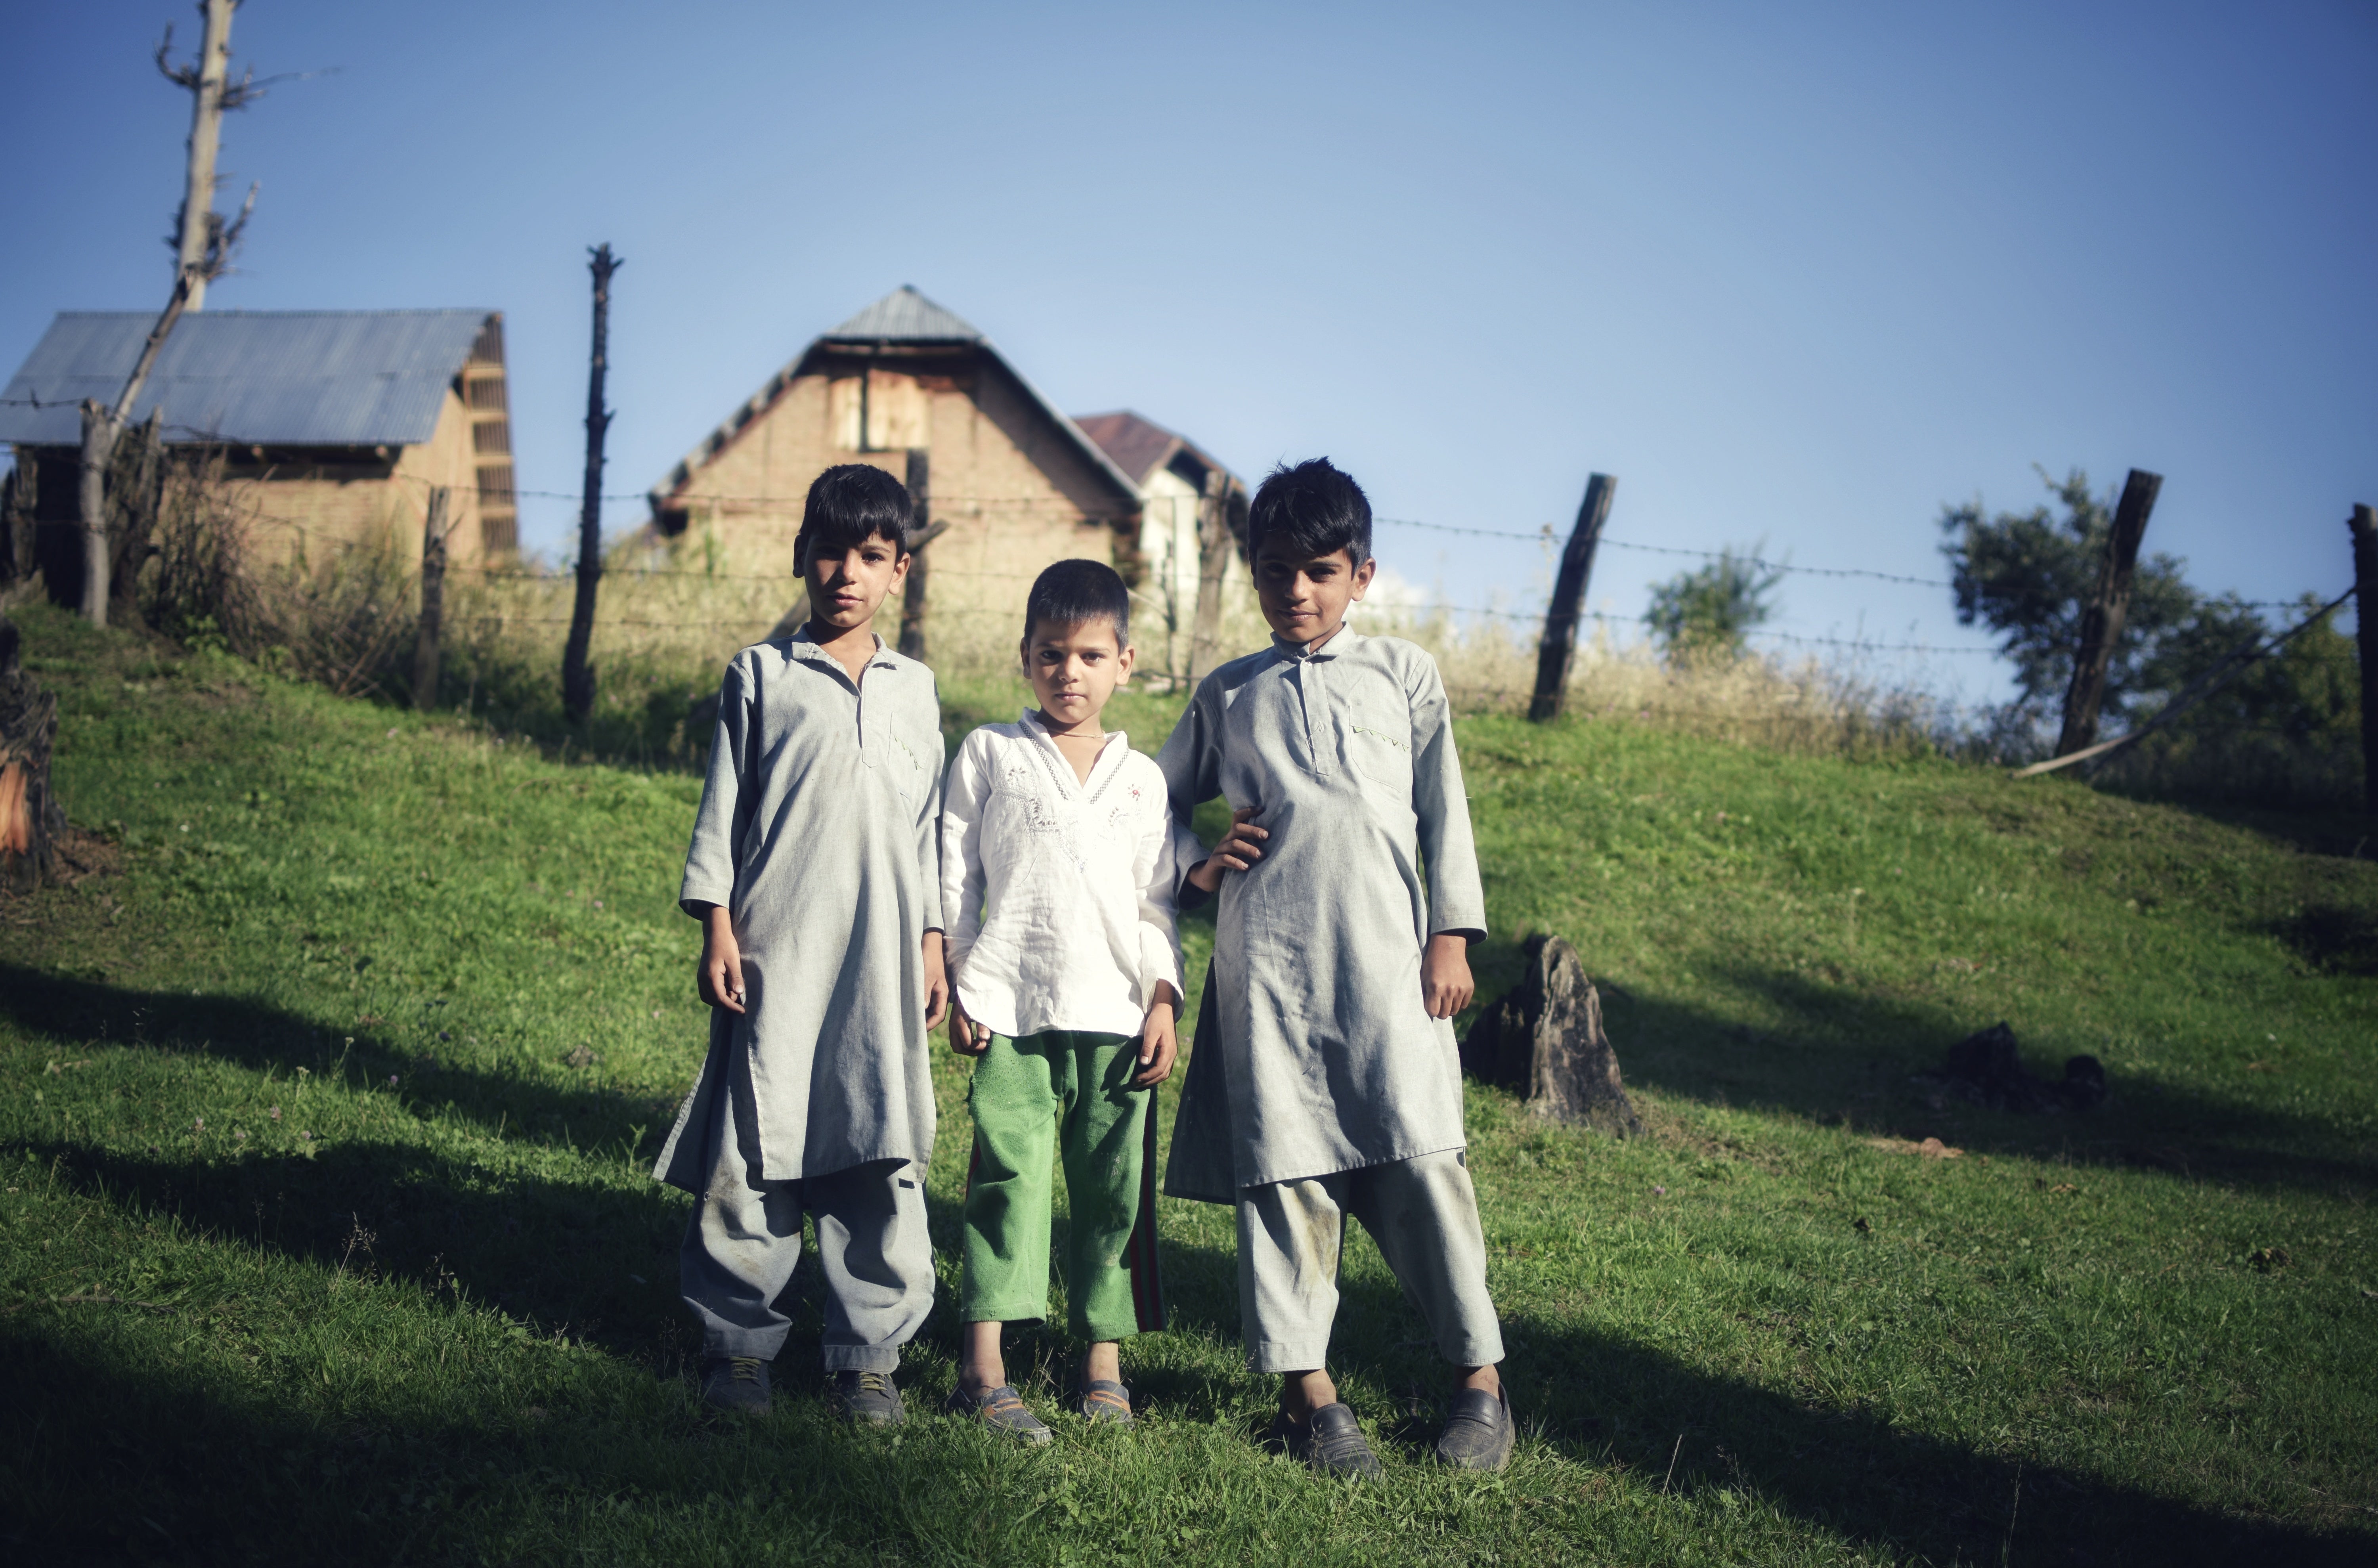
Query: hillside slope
<point x="326" y="1103"/>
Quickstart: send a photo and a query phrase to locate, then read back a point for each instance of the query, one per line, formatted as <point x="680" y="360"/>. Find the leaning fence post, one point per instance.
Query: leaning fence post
<point x="577" y="674"/>
<point x="433" y="601"/>
<point x="2101" y="623"/>
<point x="2364" y="524"/>
<point x="912" y="595"/>
<point x="1559" y="647"/>
<point x="1213" y="560"/>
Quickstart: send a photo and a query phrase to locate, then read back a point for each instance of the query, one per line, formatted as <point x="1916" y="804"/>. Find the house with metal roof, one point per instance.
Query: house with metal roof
<point x="333" y="426"/>
<point x="1174" y="477"/>
<point x="914" y="388"/>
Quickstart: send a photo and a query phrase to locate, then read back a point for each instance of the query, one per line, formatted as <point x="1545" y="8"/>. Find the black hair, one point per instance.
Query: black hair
<point x="1314" y="508"/>
<point x="849" y="503"/>
<point x="1074" y="591"/>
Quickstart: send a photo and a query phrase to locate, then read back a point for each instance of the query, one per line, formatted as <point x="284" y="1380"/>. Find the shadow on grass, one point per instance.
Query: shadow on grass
<point x="138" y="1456"/>
<point x="1847" y="1057"/>
<point x="253" y="1034"/>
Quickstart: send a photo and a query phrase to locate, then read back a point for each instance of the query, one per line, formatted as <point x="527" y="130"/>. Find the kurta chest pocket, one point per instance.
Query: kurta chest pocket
<point x="1023" y="800"/>
<point x="900" y="759"/>
<point x="1381" y="747"/>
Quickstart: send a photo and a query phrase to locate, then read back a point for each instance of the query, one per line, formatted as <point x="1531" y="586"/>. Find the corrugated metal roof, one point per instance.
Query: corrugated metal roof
<point x="292" y="378"/>
<point x="905" y="315"/>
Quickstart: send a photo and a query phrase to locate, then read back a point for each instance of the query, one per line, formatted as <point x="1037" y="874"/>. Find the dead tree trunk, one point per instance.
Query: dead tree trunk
<point x="30" y="820"/>
<point x="1213" y="561"/>
<point x="206" y="81"/>
<point x="1545" y="1037"/>
<point x="1559" y="647"/>
<point x="577" y="674"/>
<point x="2364" y="524"/>
<point x="136" y="493"/>
<point x="912" y="595"/>
<point x="2101" y="623"/>
<point x="433" y="601"/>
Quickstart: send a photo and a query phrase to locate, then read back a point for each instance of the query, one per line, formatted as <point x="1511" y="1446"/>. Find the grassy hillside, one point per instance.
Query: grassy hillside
<point x="325" y="1101"/>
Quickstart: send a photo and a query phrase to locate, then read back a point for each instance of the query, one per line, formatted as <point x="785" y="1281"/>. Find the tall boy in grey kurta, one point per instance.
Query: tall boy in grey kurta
<point x="816" y="864"/>
<point x="1326" y="1079"/>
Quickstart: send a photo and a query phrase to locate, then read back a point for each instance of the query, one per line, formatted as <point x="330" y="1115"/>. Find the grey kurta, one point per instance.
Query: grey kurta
<point x="817" y="833"/>
<point x="1314" y="1051"/>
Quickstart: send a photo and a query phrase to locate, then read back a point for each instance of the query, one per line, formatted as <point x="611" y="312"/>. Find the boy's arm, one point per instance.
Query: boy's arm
<point x="1457" y="902"/>
<point x="1192" y="765"/>
<point x="1152" y="873"/>
<point x="963" y="799"/>
<point x="928" y="870"/>
<point x="719" y="824"/>
<point x="720" y="821"/>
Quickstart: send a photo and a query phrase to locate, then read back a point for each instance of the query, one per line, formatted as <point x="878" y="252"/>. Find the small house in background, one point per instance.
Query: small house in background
<point x="333" y="425"/>
<point x="915" y="390"/>
<point x="1174" y="477"/>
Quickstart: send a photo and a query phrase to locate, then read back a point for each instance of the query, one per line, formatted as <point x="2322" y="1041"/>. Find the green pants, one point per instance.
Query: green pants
<point x="1070" y="1091"/>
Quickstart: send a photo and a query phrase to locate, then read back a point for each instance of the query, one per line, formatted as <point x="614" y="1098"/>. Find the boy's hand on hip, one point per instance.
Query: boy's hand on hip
<point x="1239" y="850"/>
<point x="1159" y="1040"/>
<point x="1444" y="982"/>
<point x="718" y="974"/>
<point x="967" y="1038"/>
<point x="937" y="981"/>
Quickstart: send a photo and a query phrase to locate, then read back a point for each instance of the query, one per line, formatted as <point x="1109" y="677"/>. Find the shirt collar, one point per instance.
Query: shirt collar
<point x="802" y="645"/>
<point x="1030" y="720"/>
<point x="1342" y="639"/>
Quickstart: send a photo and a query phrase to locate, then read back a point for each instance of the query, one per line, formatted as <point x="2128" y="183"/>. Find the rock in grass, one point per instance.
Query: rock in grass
<point x="1987" y="1068"/>
<point x="1544" y="1037"/>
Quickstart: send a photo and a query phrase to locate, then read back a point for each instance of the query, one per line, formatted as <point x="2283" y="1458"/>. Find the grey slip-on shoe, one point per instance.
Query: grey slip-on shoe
<point x="1331" y="1441"/>
<point x="1479" y="1434"/>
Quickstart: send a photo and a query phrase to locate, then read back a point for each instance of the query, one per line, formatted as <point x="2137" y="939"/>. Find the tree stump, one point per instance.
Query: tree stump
<point x="30" y="820"/>
<point x="1544" y="1037"/>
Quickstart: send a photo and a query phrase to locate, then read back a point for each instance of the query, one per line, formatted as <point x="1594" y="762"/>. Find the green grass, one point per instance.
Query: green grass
<point x="325" y="1111"/>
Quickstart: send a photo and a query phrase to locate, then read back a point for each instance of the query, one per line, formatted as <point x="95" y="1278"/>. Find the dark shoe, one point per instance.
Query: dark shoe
<point x="1479" y="1433"/>
<point x="1330" y="1442"/>
<point x="1003" y="1410"/>
<point x="735" y="1382"/>
<point x="1105" y="1401"/>
<point x="866" y="1399"/>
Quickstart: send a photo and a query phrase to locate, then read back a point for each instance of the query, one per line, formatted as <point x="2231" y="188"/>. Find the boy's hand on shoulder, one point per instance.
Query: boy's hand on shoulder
<point x="1160" y="1041"/>
<point x="718" y="973"/>
<point x="967" y="1038"/>
<point x="1444" y="982"/>
<point x="1241" y="848"/>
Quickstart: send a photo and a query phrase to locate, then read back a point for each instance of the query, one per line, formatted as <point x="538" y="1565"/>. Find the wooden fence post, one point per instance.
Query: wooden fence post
<point x="912" y="595"/>
<point x="577" y="674"/>
<point x="1213" y="560"/>
<point x="1558" y="649"/>
<point x="2364" y="524"/>
<point x="24" y="495"/>
<point x="2101" y="623"/>
<point x="433" y="601"/>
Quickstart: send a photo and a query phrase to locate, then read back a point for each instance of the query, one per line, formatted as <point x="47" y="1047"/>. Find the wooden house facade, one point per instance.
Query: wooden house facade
<point x="332" y="428"/>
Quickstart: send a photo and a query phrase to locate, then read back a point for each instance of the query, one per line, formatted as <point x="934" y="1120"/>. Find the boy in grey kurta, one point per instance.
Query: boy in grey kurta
<point x="815" y="869"/>
<point x="1326" y="1079"/>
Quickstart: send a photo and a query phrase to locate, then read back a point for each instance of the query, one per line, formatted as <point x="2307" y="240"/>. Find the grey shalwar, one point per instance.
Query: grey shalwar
<point x="817" y="833"/>
<point x="1315" y="1053"/>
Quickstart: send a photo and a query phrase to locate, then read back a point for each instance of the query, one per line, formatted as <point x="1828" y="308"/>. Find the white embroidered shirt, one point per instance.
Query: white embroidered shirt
<point x="1057" y="892"/>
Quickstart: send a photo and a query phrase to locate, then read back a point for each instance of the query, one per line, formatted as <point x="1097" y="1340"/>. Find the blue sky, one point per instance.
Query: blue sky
<point x="1796" y="273"/>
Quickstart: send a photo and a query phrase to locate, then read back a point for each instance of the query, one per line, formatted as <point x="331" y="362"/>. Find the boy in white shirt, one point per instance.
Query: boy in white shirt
<point x="1057" y="883"/>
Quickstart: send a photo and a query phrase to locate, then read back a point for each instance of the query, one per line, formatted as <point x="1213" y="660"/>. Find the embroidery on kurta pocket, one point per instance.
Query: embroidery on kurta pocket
<point x="1383" y="757"/>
